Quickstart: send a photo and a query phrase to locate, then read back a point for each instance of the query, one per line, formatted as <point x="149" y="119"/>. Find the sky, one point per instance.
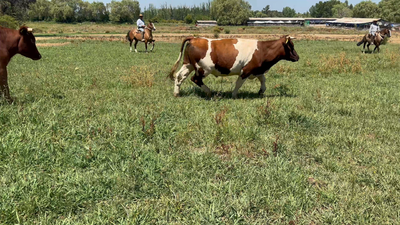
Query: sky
<point x="301" y="6"/>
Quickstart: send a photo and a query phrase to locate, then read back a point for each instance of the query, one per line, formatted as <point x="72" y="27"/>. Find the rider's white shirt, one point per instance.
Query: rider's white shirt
<point x="139" y="24"/>
<point x="373" y="29"/>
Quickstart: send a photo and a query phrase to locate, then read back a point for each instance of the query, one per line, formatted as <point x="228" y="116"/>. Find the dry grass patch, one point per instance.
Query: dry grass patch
<point x="340" y="63"/>
<point x="140" y="76"/>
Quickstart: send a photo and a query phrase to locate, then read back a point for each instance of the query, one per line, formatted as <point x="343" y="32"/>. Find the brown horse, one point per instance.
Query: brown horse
<point x="379" y="36"/>
<point x="136" y="35"/>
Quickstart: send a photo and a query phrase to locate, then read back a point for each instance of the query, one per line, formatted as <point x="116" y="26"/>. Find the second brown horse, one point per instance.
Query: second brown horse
<point x="135" y="35"/>
<point x="377" y="40"/>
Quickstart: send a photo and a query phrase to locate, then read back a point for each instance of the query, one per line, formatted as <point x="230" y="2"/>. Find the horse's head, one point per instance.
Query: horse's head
<point x="151" y="26"/>
<point x="386" y="32"/>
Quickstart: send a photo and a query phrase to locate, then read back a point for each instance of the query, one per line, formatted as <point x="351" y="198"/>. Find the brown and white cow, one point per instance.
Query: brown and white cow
<point x="226" y="57"/>
<point x="14" y="42"/>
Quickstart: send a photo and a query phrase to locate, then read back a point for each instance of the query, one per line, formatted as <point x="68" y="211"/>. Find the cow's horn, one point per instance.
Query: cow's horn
<point x="30" y="29"/>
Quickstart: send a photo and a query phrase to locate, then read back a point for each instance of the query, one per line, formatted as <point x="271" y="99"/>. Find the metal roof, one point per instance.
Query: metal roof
<point x="274" y="19"/>
<point x="355" y="20"/>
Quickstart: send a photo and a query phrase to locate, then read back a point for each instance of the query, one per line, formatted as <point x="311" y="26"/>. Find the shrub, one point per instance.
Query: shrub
<point x="189" y="19"/>
<point x="227" y="31"/>
<point x="217" y="29"/>
<point x="8" y="21"/>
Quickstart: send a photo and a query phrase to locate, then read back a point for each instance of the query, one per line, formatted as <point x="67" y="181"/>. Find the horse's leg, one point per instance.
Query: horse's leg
<point x="368" y="46"/>
<point x="130" y="45"/>
<point x="152" y="47"/>
<point x="136" y="41"/>
<point x="145" y="46"/>
<point x="364" y="47"/>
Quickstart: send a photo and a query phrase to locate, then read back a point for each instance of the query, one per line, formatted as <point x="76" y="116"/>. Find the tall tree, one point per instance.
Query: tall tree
<point x="323" y="9"/>
<point x="265" y="10"/>
<point x="288" y="12"/>
<point x="390" y="10"/>
<point x="342" y="10"/>
<point x="124" y="11"/>
<point x="366" y="9"/>
<point x="230" y="12"/>
<point x="40" y="10"/>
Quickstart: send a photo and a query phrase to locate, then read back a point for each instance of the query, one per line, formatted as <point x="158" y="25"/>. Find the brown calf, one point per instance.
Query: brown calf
<point x="14" y="42"/>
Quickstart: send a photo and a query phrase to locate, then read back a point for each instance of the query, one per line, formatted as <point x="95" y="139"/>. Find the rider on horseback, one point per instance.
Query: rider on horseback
<point x="373" y="29"/>
<point x="140" y="24"/>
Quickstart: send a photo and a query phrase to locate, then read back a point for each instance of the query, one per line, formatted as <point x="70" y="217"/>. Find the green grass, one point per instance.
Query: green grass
<point x="95" y="136"/>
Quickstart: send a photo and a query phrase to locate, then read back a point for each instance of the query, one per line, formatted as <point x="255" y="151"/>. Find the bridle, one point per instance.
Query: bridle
<point x="151" y="29"/>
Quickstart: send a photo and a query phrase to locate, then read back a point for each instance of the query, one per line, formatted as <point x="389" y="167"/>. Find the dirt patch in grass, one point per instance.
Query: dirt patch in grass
<point x="173" y="37"/>
<point x="52" y="44"/>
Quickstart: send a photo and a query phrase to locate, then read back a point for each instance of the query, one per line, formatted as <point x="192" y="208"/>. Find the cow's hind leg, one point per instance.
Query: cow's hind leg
<point x="182" y="74"/>
<point x="239" y="82"/>
<point x="4" y="90"/>
<point x="198" y="79"/>
<point x="261" y="78"/>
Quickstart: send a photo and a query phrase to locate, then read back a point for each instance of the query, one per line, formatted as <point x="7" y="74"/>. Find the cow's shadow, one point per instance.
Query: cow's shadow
<point x="228" y="94"/>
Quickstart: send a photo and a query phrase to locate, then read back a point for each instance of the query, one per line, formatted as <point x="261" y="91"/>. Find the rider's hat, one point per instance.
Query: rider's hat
<point x="140" y="14"/>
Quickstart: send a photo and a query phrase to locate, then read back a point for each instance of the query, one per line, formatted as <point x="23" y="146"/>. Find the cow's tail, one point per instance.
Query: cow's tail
<point x="175" y="67"/>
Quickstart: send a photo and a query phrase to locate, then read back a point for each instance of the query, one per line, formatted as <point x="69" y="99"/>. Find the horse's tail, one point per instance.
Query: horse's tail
<point x="127" y="36"/>
<point x="175" y="67"/>
<point x="360" y="43"/>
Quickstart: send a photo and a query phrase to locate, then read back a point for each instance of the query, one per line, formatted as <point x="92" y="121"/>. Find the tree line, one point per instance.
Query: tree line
<point x="226" y="12"/>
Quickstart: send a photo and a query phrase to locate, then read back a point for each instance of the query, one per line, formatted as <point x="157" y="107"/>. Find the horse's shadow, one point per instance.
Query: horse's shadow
<point x="228" y="94"/>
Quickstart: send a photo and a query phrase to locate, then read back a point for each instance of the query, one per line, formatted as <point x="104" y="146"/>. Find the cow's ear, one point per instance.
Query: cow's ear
<point x="23" y="30"/>
<point x="288" y="38"/>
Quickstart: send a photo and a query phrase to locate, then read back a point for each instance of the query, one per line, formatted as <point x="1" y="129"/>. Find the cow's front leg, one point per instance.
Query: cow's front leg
<point x="182" y="74"/>
<point x="198" y="79"/>
<point x="239" y="83"/>
<point x="261" y="78"/>
<point x="4" y="90"/>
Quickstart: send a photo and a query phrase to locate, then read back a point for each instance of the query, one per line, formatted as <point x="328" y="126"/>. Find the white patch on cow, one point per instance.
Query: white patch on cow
<point x="206" y="63"/>
<point x="246" y="50"/>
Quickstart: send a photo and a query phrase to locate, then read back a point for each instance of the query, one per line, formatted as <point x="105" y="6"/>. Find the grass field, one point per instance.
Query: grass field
<point x="95" y="136"/>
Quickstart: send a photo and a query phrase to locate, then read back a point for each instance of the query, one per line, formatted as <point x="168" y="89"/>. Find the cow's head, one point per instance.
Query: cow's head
<point x="27" y="44"/>
<point x="290" y="53"/>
